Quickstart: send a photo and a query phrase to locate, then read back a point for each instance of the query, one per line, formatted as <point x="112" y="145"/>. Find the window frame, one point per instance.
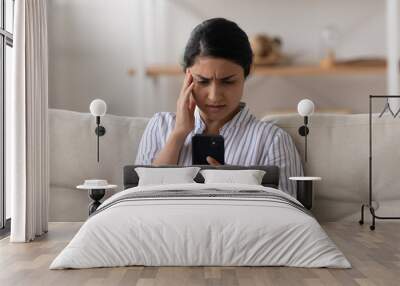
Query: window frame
<point x="6" y="39"/>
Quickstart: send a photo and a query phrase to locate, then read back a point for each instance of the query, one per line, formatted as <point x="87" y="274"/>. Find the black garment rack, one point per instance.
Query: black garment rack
<point x="369" y="205"/>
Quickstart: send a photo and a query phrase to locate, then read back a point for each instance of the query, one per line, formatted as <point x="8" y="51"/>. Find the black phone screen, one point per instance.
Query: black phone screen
<point x="207" y="145"/>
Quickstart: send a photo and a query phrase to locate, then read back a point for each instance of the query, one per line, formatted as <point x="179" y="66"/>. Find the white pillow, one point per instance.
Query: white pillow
<point x="249" y="177"/>
<point x="163" y="176"/>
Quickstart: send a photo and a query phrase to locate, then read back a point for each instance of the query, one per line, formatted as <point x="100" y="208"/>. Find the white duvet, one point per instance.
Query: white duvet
<point x="200" y="231"/>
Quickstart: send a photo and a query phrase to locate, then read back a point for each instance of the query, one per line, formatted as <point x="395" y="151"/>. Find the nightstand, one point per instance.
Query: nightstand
<point x="96" y="190"/>
<point x="305" y="190"/>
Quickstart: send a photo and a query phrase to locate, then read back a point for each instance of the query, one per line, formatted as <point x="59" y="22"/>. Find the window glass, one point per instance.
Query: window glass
<point x="8" y="88"/>
<point x="1" y="14"/>
<point x="9" y="15"/>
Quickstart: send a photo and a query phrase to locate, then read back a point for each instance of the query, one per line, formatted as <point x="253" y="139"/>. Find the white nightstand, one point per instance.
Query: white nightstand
<point x="305" y="190"/>
<point x="96" y="190"/>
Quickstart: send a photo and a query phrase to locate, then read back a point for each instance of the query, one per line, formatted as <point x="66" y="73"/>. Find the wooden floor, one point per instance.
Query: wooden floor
<point x="375" y="257"/>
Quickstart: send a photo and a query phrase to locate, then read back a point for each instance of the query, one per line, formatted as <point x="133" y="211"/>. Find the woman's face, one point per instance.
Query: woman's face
<point x="218" y="87"/>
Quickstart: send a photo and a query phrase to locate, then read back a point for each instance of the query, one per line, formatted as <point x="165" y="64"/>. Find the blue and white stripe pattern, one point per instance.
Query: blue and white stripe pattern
<point x="248" y="141"/>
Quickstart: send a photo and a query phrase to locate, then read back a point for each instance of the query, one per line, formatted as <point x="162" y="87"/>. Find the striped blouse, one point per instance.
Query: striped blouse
<point x="248" y="141"/>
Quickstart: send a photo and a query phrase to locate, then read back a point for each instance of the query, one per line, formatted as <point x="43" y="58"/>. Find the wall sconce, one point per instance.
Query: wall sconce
<point x="305" y="108"/>
<point x="98" y="108"/>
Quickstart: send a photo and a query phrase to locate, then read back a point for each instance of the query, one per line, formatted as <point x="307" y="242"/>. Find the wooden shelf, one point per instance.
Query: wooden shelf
<point x="290" y="70"/>
<point x="160" y="70"/>
<point x="340" y="69"/>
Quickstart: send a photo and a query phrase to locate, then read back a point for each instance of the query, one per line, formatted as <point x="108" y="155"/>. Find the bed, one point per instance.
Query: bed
<point x="201" y="224"/>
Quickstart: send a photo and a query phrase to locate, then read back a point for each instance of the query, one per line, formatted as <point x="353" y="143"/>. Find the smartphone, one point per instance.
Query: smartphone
<point x="207" y="145"/>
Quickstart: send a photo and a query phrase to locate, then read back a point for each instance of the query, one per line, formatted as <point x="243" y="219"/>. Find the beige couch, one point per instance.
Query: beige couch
<point x="338" y="152"/>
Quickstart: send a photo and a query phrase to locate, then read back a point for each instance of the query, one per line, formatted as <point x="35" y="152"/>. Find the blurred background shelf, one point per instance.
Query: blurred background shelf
<point x="287" y="70"/>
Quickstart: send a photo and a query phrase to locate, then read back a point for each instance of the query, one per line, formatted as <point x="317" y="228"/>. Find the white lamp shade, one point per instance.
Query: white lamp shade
<point x="98" y="107"/>
<point x="305" y="107"/>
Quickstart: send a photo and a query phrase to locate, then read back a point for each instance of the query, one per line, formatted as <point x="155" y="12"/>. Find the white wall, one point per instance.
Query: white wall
<point x="94" y="43"/>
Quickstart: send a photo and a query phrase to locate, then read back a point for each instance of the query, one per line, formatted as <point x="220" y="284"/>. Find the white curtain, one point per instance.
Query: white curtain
<point x="27" y="123"/>
<point x="393" y="54"/>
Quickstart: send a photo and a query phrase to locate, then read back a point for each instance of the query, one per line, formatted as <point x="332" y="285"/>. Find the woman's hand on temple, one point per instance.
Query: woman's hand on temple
<point x="212" y="161"/>
<point x="185" y="107"/>
<point x="184" y="124"/>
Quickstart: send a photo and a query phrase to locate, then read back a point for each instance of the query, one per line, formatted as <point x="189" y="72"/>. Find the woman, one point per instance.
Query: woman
<point x="217" y="61"/>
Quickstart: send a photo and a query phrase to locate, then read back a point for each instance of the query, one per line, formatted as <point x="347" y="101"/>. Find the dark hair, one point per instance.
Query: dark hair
<point x="219" y="38"/>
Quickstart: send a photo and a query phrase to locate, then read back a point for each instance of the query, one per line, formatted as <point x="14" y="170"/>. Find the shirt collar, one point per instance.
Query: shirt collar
<point x="242" y="116"/>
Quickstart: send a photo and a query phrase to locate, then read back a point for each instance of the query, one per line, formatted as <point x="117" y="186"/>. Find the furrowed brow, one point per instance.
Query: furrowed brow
<point x="201" y="77"/>
<point x="228" y="77"/>
<point x="223" y="78"/>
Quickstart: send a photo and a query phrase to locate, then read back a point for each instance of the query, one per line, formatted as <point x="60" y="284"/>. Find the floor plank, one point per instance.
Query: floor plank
<point x="375" y="257"/>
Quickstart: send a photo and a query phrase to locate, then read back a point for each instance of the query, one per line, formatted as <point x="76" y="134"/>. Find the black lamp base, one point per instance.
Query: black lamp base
<point x="100" y="130"/>
<point x="303" y="130"/>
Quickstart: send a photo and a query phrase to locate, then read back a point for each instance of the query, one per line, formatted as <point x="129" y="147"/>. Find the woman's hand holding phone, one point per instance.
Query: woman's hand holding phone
<point x="185" y="107"/>
<point x="212" y="161"/>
